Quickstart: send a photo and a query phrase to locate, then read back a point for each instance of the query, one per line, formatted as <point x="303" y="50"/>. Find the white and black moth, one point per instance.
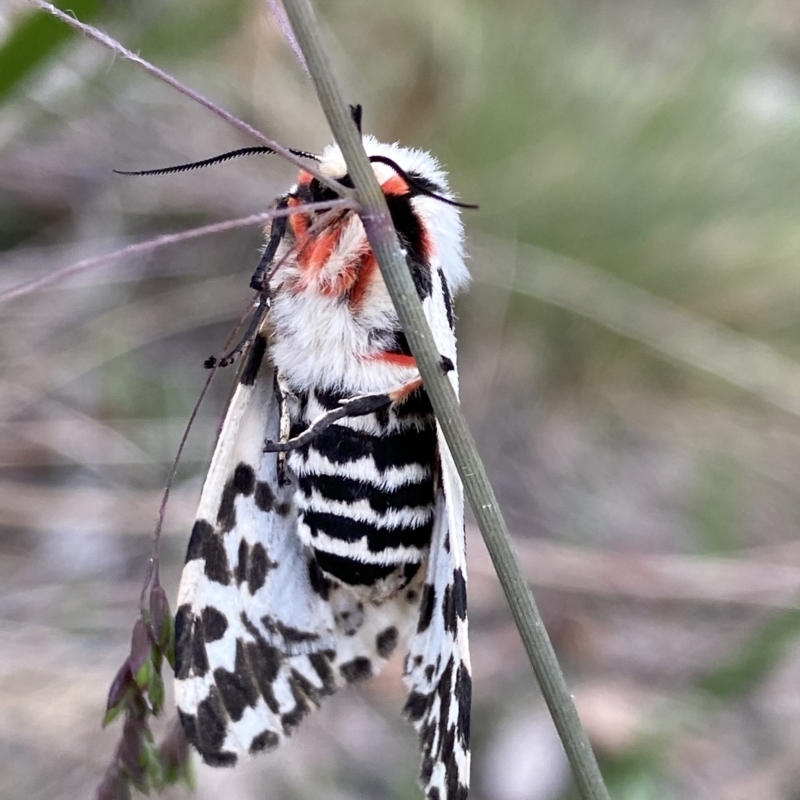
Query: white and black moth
<point x="307" y="568"/>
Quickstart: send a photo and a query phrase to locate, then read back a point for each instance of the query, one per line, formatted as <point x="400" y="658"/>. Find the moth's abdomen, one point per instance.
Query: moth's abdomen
<point x="366" y="493"/>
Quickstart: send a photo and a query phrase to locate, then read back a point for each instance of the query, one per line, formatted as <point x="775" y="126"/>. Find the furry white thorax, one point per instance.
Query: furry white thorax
<point x="320" y="341"/>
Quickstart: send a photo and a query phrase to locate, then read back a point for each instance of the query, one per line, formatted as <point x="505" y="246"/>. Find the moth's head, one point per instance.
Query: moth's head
<point x="411" y="180"/>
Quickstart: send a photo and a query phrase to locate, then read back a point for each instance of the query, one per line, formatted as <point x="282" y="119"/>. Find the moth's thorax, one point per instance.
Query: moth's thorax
<point x="332" y="315"/>
<point x="320" y="340"/>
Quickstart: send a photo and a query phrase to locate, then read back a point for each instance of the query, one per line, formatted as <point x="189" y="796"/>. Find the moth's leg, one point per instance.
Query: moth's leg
<point x="357" y="406"/>
<point x="255" y="323"/>
<point x="276" y="233"/>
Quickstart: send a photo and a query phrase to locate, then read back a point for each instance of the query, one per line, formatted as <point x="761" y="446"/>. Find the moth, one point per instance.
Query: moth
<point x="330" y="529"/>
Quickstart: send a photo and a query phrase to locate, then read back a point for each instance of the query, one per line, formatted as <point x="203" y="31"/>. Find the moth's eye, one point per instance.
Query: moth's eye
<point x="347" y="181"/>
<point x="321" y="193"/>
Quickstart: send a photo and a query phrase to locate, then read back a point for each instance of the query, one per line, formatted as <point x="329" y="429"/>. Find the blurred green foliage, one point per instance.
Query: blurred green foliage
<point x="35" y="40"/>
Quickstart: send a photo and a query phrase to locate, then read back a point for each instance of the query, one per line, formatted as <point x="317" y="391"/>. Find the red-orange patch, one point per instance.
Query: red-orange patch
<point x="398" y="359"/>
<point x="365" y="273"/>
<point x="299" y="221"/>
<point x="405" y="390"/>
<point x="395" y="186"/>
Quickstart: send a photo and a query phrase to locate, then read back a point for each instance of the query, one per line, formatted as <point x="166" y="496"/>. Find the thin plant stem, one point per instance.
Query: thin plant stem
<point x="383" y="240"/>
<point x="56" y="277"/>
<point x="113" y="45"/>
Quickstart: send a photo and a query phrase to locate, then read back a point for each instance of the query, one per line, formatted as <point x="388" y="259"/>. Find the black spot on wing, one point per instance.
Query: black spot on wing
<point x="244" y="479"/>
<point x="426" y="607"/>
<point x="290" y="635"/>
<point x="201" y="532"/>
<point x="444" y="691"/>
<point x="294" y="635"/>
<point x="449" y="610"/>
<point x="255" y="356"/>
<point x="463" y="694"/>
<point x="265" y="662"/>
<point x="211" y="728"/>
<point x="426" y="770"/>
<point x="241" y="482"/>
<point x="359" y="669"/>
<point x="214" y="624"/>
<point x="298" y="686"/>
<point x="291" y="719"/>
<point x="189" y="723"/>
<point x="237" y="689"/>
<point x="199" y="655"/>
<point x="455" y="788"/>
<point x="283" y="509"/>
<point x="184" y="632"/>
<point x="416" y="706"/>
<point x="302" y="687"/>
<point x="427" y="734"/>
<point x="460" y="594"/>
<point x="321" y="663"/>
<point x="319" y="583"/>
<point x="241" y="562"/>
<point x="259" y="565"/>
<point x="386" y="641"/>
<point x="216" y="560"/>
<point x="264" y="496"/>
<point x="450" y="767"/>
<point x="264" y="742"/>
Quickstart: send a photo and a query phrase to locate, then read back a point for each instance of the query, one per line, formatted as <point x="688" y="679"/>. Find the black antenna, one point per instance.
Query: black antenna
<point x="417" y="184"/>
<point x="244" y="151"/>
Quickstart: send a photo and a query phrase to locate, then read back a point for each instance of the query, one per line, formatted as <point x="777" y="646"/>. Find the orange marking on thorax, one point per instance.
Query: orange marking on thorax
<point x="395" y="186"/>
<point x="365" y="273"/>
<point x="426" y="245"/>
<point x="398" y="359"/>
<point x="297" y="222"/>
<point x="317" y="251"/>
<point x="313" y="256"/>
<point x="406" y="389"/>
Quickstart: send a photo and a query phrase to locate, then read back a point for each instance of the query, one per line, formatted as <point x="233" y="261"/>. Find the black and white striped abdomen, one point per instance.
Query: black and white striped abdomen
<point x="365" y="490"/>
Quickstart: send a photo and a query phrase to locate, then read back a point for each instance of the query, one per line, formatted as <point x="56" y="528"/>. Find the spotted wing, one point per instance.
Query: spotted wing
<point x="438" y="671"/>
<point x="261" y="637"/>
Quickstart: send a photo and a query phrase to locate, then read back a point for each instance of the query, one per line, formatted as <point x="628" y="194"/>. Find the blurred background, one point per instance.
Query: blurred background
<point x="630" y="365"/>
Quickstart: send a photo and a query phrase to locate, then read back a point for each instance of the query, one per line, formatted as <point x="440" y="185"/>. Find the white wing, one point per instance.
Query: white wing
<point x="261" y="637"/>
<point x="438" y="671"/>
